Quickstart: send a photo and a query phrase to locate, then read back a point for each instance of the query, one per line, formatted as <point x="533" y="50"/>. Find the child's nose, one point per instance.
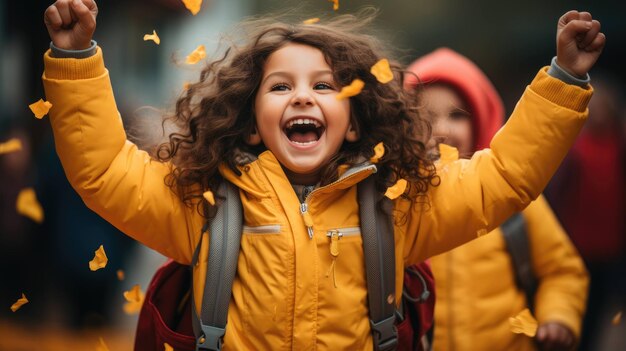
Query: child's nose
<point x="302" y="98"/>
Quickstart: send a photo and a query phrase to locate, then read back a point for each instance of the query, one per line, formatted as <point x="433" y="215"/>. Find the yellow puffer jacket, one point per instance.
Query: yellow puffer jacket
<point x="284" y="296"/>
<point x="477" y="293"/>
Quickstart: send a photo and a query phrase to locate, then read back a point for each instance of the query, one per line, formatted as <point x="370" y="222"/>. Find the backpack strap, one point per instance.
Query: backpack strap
<point x="379" y="252"/>
<point x="516" y="238"/>
<point x="225" y="238"/>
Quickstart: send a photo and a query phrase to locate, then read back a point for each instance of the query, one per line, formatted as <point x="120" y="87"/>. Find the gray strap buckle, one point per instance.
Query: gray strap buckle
<point x="385" y="334"/>
<point x="211" y="339"/>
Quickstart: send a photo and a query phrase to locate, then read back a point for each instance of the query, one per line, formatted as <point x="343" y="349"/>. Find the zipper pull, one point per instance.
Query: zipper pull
<point x="334" y="235"/>
<point x="308" y="221"/>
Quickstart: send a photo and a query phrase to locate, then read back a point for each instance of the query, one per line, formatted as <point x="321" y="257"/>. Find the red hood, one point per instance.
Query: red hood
<point x="447" y="66"/>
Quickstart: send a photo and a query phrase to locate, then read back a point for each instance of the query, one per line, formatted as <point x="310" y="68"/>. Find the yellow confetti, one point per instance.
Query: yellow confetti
<point x="351" y="90"/>
<point x="379" y="151"/>
<point x="208" y="195"/>
<point x="120" y="275"/>
<point x="382" y="71"/>
<point x="335" y="4"/>
<point x="198" y="54"/>
<point x="102" y="346"/>
<point x="524" y="323"/>
<point x="154" y="37"/>
<point x="193" y="6"/>
<point x="40" y="108"/>
<point x="28" y="205"/>
<point x="311" y="21"/>
<point x="134" y="298"/>
<point x="396" y="190"/>
<point x="10" y="146"/>
<point x="167" y="347"/>
<point x="19" y="303"/>
<point x="99" y="259"/>
<point x="617" y="318"/>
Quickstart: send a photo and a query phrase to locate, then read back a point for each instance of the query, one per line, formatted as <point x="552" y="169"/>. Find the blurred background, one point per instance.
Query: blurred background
<point x="71" y="307"/>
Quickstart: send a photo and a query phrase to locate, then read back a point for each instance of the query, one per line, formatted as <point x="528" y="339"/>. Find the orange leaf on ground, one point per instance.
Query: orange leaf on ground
<point x="379" y="151"/>
<point x="154" y="37"/>
<point x="351" y="90"/>
<point x="28" y="205"/>
<point x="19" y="303"/>
<point x="193" y="6"/>
<point x="40" y="108"/>
<point x="99" y="259"/>
<point x="397" y="189"/>
<point x="134" y="298"/>
<point x="11" y="146"/>
<point x="524" y="323"/>
<point x="198" y="54"/>
<point x="382" y="71"/>
<point x="102" y="346"/>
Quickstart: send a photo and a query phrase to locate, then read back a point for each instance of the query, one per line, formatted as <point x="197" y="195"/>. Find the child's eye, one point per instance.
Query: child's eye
<point x="279" y="87"/>
<point x="322" y="85"/>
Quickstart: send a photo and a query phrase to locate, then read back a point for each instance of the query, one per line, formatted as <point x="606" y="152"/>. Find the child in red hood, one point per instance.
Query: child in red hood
<point x="476" y="288"/>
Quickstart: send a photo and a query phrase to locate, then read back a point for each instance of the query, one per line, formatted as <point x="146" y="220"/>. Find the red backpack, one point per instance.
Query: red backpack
<point x="168" y="315"/>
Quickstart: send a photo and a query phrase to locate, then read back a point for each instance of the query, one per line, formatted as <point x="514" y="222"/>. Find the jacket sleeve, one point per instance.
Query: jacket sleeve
<point x="475" y="196"/>
<point x="115" y="179"/>
<point x="563" y="279"/>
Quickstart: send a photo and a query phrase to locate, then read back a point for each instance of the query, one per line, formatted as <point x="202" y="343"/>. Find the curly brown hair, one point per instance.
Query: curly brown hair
<point x="216" y="114"/>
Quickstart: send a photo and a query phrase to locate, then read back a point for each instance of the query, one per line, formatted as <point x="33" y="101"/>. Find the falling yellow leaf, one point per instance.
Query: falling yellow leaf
<point x="208" y="195"/>
<point x="19" y="303"/>
<point x="120" y="275"/>
<point x="186" y="85"/>
<point x="335" y="4"/>
<point x="154" y="37"/>
<point x="617" y="318"/>
<point x="311" y="21"/>
<point x="102" y="346"/>
<point x="28" y="205"/>
<point x="351" y="90"/>
<point x="396" y="190"/>
<point x="198" y="54"/>
<point x="193" y="6"/>
<point x="10" y="146"/>
<point x="168" y="347"/>
<point x="524" y="323"/>
<point x="134" y="298"/>
<point x="382" y="71"/>
<point x="99" y="259"/>
<point x="40" y="108"/>
<point x="379" y="151"/>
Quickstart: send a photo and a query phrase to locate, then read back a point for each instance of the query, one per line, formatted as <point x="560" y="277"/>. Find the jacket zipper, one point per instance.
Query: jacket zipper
<point x="304" y="207"/>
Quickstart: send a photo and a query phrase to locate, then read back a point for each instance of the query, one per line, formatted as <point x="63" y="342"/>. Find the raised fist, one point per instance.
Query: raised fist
<point x="71" y="23"/>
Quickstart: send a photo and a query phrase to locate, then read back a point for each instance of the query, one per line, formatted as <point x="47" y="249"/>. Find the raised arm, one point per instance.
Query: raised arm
<point x="115" y="179"/>
<point x="475" y="196"/>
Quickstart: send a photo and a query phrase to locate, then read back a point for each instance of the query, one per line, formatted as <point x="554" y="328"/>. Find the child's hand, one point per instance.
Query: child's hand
<point x="578" y="42"/>
<point x="71" y="23"/>
<point x="553" y="336"/>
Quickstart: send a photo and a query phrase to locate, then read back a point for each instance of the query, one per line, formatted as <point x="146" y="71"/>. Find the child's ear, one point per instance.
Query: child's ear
<point x="352" y="134"/>
<point x="254" y="138"/>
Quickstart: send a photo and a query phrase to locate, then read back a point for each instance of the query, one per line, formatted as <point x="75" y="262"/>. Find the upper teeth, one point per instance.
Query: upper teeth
<point x="303" y="121"/>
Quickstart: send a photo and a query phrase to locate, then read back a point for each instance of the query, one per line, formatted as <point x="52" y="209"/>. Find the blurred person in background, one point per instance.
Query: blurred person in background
<point x="588" y="195"/>
<point x="476" y="283"/>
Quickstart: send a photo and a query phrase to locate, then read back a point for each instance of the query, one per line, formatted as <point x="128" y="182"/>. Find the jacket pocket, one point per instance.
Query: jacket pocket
<point x="262" y="229"/>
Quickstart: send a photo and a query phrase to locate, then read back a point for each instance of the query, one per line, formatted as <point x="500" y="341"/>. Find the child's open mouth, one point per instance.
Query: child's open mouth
<point x="303" y="131"/>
